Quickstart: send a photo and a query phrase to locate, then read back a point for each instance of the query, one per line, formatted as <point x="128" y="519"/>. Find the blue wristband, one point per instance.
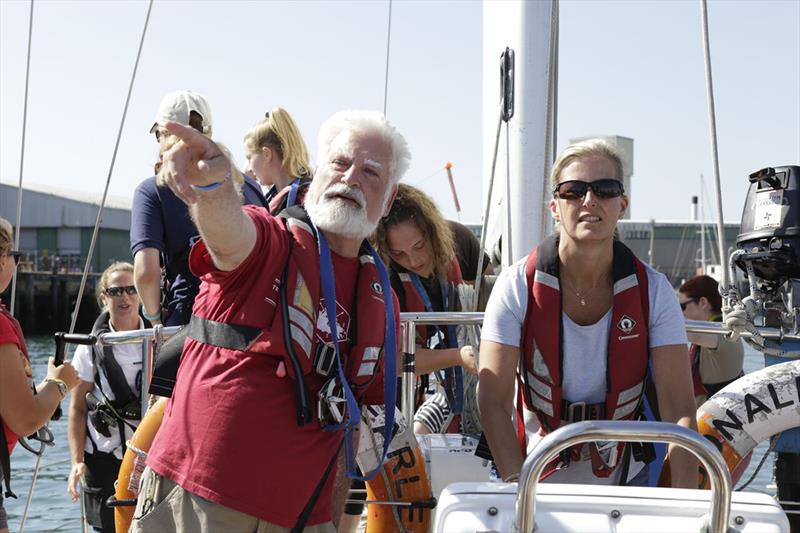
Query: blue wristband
<point x="209" y="187"/>
<point x="215" y="185"/>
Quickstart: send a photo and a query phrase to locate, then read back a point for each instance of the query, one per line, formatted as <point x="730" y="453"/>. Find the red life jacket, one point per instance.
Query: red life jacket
<point x="8" y="439"/>
<point x="413" y="302"/>
<point x="541" y="365"/>
<point x="280" y="200"/>
<point x="303" y="290"/>
<point x="694" y="360"/>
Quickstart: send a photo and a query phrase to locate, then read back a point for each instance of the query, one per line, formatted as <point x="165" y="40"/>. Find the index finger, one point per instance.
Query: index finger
<point x="187" y="134"/>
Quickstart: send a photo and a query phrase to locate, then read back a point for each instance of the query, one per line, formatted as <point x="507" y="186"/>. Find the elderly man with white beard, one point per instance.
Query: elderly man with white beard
<point x="291" y="312"/>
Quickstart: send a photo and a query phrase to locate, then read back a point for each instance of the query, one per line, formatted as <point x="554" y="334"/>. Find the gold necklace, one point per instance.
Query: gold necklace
<point x="581" y="295"/>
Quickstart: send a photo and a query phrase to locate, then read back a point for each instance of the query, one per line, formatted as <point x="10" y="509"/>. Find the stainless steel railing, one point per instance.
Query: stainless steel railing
<point x="408" y="322"/>
<point x="624" y="431"/>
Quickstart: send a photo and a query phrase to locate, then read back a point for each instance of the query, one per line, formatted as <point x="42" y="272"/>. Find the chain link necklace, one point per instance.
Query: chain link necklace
<point x="581" y="295"/>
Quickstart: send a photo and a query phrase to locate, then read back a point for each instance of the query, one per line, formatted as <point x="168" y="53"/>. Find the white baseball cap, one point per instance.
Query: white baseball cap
<point x="177" y="107"/>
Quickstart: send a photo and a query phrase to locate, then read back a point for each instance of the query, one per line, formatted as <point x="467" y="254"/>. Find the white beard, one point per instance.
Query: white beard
<point x="330" y="213"/>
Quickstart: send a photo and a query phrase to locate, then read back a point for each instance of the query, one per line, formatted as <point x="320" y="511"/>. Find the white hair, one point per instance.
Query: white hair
<point x="366" y="122"/>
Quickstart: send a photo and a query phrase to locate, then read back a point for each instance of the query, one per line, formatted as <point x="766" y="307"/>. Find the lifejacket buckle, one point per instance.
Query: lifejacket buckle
<point x="331" y="403"/>
<point x="577" y="411"/>
<point x="605" y="457"/>
<point x="325" y="360"/>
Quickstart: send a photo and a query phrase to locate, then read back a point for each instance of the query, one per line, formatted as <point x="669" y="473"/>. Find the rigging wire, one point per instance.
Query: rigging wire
<point x="509" y="243"/>
<point x="22" y="156"/>
<point x="712" y="123"/>
<point x="94" y="234"/>
<point x="388" y="47"/>
<point x="712" y="237"/>
<point x="486" y="208"/>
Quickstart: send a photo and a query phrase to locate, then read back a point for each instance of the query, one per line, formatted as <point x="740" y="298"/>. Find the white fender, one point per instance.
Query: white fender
<point x="752" y="409"/>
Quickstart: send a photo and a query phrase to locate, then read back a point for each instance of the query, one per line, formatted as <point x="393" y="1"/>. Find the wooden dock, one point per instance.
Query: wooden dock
<point x="45" y="301"/>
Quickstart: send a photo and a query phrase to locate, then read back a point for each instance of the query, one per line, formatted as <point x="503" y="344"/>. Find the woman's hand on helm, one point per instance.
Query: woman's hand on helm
<point x="468" y="361"/>
<point x="66" y="373"/>
<point x="75" y="475"/>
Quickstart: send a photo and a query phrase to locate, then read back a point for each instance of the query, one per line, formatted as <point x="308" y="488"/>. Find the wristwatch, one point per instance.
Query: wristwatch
<point x="62" y="387"/>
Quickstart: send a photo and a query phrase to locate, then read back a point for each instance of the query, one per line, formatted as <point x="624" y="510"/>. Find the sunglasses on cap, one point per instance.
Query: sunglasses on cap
<point x="687" y="302"/>
<point x="15" y="255"/>
<point x="576" y="189"/>
<point x="117" y="291"/>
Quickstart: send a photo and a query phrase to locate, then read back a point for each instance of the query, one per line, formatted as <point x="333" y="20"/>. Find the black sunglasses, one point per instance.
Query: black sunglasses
<point x="687" y="302"/>
<point x="117" y="291"/>
<point x="576" y="189"/>
<point x="15" y="255"/>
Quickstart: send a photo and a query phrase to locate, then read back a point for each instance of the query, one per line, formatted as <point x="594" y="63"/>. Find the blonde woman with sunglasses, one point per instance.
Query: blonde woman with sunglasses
<point x="21" y="411"/>
<point x="105" y="408"/>
<point x="589" y="327"/>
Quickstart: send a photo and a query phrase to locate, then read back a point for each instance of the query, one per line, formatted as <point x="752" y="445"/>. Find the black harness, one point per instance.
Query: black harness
<point x="126" y="404"/>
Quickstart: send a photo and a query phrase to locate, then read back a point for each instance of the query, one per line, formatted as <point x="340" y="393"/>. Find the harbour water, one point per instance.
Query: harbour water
<point x="53" y="510"/>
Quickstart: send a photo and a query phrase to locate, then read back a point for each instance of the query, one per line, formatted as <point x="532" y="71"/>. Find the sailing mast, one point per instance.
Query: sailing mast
<point x="530" y="30"/>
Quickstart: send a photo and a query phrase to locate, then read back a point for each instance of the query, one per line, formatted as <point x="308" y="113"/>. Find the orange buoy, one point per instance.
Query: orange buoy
<point x="132" y="465"/>
<point x="404" y="479"/>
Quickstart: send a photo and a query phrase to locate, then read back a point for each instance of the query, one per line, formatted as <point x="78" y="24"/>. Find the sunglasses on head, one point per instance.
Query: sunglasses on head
<point x="117" y="291"/>
<point x="576" y="189"/>
<point x="14" y="255"/>
<point x="687" y="302"/>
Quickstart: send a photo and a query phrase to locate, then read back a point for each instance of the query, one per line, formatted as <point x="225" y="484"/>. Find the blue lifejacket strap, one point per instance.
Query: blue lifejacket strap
<point x="453" y="382"/>
<point x="390" y="357"/>
<point x="293" y="190"/>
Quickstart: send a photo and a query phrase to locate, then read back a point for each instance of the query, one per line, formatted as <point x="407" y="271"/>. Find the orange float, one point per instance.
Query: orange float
<point x="403" y="478"/>
<point x="131" y="469"/>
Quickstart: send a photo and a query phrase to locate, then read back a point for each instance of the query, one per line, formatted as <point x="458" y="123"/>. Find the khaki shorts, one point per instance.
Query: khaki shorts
<point x="165" y="506"/>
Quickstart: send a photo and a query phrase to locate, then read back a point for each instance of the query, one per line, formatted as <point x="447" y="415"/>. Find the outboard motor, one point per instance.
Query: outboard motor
<point x="769" y="245"/>
<point x="768" y="251"/>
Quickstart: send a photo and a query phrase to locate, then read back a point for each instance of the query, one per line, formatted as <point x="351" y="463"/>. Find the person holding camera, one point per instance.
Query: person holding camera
<point x="105" y="408"/>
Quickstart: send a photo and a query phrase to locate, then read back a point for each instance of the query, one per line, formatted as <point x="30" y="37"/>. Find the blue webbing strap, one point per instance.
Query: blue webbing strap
<point x="389" y="361"/>
<point x="453" y="376"/>
<point x="294" y="187"/>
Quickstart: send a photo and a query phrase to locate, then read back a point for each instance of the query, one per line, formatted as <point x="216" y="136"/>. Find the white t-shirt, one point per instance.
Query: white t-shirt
<point x="585" y="349"/>
<point x="129" y="357"/>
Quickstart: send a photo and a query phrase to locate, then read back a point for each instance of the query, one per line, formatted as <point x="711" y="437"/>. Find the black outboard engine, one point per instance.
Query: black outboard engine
<point x="769" y="245"/>
<point x="769" y="252"/>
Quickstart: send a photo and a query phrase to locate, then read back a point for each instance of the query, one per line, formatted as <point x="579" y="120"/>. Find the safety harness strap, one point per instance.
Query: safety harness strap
<point x="221" y="335"/>
<point x="5" y="460"/>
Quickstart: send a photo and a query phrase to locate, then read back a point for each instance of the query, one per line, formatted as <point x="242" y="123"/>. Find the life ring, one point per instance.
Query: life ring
<point x="129" y="474"/>
<point x="403" y="477"/>
<point x="747" y="412"/>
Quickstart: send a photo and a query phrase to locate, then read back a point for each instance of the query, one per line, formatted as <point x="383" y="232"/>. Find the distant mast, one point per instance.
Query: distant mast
<point x="525" y="27"/>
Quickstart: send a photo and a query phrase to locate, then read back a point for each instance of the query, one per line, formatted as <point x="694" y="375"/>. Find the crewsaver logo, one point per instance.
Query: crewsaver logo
<point x="376" y="286"/>
<point x="626" y="324"/>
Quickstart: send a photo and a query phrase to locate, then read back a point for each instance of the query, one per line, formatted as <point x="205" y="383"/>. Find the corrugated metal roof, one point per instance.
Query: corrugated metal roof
<point x="116" y="202"/>
<point x="44" y="207"/>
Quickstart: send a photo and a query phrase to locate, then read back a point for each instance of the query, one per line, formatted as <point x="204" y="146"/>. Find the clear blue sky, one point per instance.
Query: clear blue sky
<point x="631" y="68"/>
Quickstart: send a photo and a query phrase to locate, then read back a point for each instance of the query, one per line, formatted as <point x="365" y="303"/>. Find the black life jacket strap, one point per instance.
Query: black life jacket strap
<point x="312" y="501"/>
<point x="5" y="462"/>
<point x="165" y="367"/>
<point x="105" y="360"/>
<point x="221" y="335"/>
<point x="301" y="394"/>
